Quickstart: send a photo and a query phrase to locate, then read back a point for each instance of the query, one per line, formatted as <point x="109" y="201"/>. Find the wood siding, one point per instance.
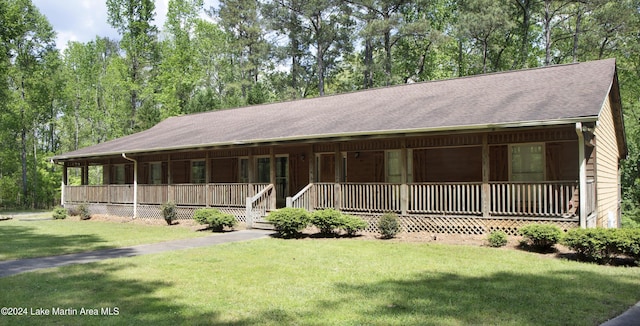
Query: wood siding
<point x="367" y="167"/>
<point x="607" y="155"/>
<point x="223" y="170"/>
<point x="457" y="164"/>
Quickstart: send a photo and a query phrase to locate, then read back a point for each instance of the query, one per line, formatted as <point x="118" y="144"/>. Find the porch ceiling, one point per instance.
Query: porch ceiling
<point x="541" y="96"/>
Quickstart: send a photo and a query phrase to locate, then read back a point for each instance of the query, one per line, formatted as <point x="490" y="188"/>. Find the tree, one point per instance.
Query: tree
<point x="132" y="19"/>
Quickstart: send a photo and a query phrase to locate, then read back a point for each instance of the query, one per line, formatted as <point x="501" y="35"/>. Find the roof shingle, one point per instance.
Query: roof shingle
<point x="548" y="94"/>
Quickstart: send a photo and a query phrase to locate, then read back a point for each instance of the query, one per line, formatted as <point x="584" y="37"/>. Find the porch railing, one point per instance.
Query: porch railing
<point x="446" y="198"/>
<point x="375" y="197"/>
<point x="259" y="205"/>
<point x="539" y="199"/>
<point x="303" y="199"/>
<point x="590" y="193"/>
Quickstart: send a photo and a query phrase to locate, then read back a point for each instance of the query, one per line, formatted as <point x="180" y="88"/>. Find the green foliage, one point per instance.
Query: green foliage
<point x="327" y="220"/>
<point x="352" y="224"/>
<point x="289" y="221"/>
<point x="216" y="219"/>
<point x="541" y="236"/>
<point x="602" y="245"/>
<point x="59" y="213"/>
<point x="497" y="238"/>
<point x="83" y="212"/>
<point x="389" y="225"/>
<point x="169" y="212"/>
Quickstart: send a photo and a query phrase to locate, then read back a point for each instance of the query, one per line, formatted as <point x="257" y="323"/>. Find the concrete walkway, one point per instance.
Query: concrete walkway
<point x="12" y="267"/>
<point x="630" y="317"/>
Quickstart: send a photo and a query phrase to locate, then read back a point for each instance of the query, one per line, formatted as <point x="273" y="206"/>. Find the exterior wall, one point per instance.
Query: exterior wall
<point x="223" y="170"/>
<point x="366" y="167"/>
<point x="457" y="164"/>
<point x="606" y="167"/>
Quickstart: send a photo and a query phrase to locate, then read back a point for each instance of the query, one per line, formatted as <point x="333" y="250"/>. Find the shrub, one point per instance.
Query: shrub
<point x="497" y="238"/>
<point x="327" y="220"/>
<point x="83" y="211"/>
<point x="389" y="225"/>
<point x="541" y="236"/>
<point x="169" y="212"/>
<point x="216" y="219"/>
<point x="352" y="224"/>
<point x="59" y="213"/>
<point x="289" y="221"/>
<point x="602" y="245"/>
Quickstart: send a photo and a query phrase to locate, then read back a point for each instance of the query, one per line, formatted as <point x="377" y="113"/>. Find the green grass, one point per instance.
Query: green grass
<point x="27" y="239"/>
<point x="329" y="282"/>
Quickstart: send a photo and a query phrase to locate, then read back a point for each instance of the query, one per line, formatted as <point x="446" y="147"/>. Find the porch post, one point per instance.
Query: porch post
<point x="311" y="156"/>
<point x="135" y="184"/>
<point x="272" y="176"/>
<point x="404" y="187"/>
<point x="337" y="197"/>
<point x="582" y="188"/>
<point x="64" y="184"/>
<point x="207" y="167"/>
<point x="486" y="188"/>
<point x="251" y="172"/>
<point x="169" y="179"/>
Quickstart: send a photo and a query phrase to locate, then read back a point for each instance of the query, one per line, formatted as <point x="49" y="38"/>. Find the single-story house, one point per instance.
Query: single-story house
<point x="466" y="155"/>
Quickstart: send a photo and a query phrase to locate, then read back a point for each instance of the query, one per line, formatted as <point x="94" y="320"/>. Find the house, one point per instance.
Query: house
<point x="466" y="155"/>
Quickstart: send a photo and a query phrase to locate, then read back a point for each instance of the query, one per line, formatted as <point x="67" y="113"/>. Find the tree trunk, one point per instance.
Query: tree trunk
<point x="547" y="32"/>
<point x="23" y="143"/>
<point x="576" y="34"/>
<point x="368" y="63"/>
<point x="387" y="59"/>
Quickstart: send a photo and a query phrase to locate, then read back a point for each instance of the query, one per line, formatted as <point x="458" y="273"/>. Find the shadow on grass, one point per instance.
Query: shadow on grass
<point x="22" y="242"/>
<point x="567" y="297"/>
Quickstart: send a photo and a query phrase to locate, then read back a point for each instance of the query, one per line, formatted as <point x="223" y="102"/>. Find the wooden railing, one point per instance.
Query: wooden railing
<point x="121" y="194"/>
<point x="323" y="195"/>
<point x="259" y="205"/>
<point x="534" y="199"/>
<point x="445" y="198"/>
<point x="303" y="199"/>
<point x="590" y="193"/>
<point x="373" y="197"/>
<point x="153" y="194"/>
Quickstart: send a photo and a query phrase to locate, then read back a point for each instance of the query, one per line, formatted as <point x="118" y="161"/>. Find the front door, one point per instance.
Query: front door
<point x="263" y="166"/>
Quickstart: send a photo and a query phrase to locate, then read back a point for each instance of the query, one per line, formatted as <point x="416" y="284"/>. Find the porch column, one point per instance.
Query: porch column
<point x="251" y="177"/>
<point x="135" y="184"/>
<point x="337" y="197"/>
<point x="64" y="184"/>
<point x="207" y="167"/>
<point x="311" y="156"/>
<point x="272" y="176"/>
<point x="84" y="173"/>
<point x="404" y="187"/>
<point x="169" y="180"/>
<point x="486" y="188"/>
<point x="582" y="164"/>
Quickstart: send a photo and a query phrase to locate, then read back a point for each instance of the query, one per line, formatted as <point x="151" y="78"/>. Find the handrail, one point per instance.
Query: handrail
<point x="293" y="201"/>
<point x="262" y="194"/>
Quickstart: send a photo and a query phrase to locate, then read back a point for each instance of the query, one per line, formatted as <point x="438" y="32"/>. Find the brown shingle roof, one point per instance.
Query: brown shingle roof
<point x="554" y="94"/>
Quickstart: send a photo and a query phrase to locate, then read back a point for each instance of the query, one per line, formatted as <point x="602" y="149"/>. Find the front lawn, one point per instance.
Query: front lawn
<point x="329" y="282"/>
<point x="38" y="238"/>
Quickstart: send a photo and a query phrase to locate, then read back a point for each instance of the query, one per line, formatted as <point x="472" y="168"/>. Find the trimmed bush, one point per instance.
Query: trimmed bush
<point x="541" y="237"/>
<point x="389" y="225"/>
<point x="497" y="239"/>
<point x="289" y="221"/>
<point x="327" y="220"/>
<point x="352" y="224"/>
<point x="216" y="219"/>
<point x="602" y="245"/>
<point x="59" y="213"/>
<point x="83" y="211"/>
<point x="169" y="212"/>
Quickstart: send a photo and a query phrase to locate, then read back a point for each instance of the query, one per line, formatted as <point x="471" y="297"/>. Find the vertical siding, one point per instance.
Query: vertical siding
<point x="606" y="166"/>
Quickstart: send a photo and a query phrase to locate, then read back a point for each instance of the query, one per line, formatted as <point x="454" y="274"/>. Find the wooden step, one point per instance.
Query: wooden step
<point x="263" y="225"/>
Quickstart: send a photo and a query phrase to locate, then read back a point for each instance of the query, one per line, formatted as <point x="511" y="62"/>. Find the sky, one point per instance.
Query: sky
<point x="83" y="20"/>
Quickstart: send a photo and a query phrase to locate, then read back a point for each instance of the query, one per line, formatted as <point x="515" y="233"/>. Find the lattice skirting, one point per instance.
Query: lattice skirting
<point x="464" y="224"/>
<point x="153" y="211"/>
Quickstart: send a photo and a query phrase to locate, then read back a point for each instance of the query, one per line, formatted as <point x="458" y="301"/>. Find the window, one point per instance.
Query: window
<point x="393" y="166"/>
<point x="263" y="166"/>
<point x="243" y="167"/>
<point x="198" y="171"/>
<point x="118" y="174"/>
<point x="155" y="173"/>
<point x="527" y="162"/>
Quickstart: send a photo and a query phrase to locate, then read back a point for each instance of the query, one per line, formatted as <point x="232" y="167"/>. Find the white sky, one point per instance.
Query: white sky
<point x="83" y="20"/>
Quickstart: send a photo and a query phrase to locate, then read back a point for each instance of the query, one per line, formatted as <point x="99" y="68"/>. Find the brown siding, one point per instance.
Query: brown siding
<point x="606" y="166"/>
<point x="499" y="163"/>
<point x="180" y="171"/>
<point x="327" y="168"/>
<point x="462" y="164"/>
<point x="367" y="167"/>
<point x="298" y="172"/>
<point x="224" y="170"/>
<point x="562" y="161"/>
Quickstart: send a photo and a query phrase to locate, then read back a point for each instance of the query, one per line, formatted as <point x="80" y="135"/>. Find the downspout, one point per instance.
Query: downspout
<point x="583" y="177"/>
<point x="135" y="184"/>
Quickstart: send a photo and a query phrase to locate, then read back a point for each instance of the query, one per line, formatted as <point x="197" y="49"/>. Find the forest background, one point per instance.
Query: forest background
<point x="246" y="52"/>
